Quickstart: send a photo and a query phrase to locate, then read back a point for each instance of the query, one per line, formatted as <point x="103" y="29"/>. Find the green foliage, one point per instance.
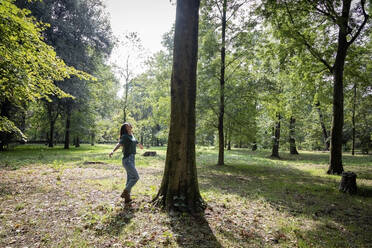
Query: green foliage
<point x="269" y="70"/>
<point x="240" y="98"/>
<point x="32" y="77"/>
<point x="8" y="126"/>
<point x="81" y="36"/>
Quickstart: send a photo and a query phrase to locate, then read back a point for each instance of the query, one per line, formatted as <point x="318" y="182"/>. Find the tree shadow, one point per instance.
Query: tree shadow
<point x="298" y="193"/>
<point x="118" y="220"/>
<point x="364" y="192"/>
<point x="193" y="231"/>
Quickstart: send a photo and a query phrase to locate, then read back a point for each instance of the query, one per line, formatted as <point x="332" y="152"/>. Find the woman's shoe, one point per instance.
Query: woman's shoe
<point x="126" y="196"/>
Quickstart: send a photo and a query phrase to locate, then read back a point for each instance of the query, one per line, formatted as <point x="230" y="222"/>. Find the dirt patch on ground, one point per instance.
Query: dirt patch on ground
<point x="44" y="207"/>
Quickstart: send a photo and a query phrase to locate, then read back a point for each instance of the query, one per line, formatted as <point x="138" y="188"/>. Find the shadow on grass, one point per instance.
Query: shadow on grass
<point x="298" y="193"/>
<point x="305" y="157"/>
<point x="118" y="221"/>
<point x="193" y="231"/>
<point x="364" y="192"/>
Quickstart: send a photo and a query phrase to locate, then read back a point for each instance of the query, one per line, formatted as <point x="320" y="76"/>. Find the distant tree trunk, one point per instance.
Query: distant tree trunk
<point x="292" y="140"/>
<point x="125" y="114"/>
<point x="22" y="126"/>
<point x="51" y="134"/>
<point x="221" y="155"/>
<point x="52" y="116"/>
<point x="77" y="141"/>
<point x="179" y="189"/>
<point x="353" y="118"/>
<point x="275" y="150"/>
<point x="67" y="131"/>
<point x="92" y="138"/>
<point x="322" y="124"/>
<point x="228" y="137"/>
<point x="254" y="146"/>
<point x="5" y="137"/>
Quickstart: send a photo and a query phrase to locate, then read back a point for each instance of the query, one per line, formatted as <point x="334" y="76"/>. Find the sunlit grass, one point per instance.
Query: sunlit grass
<point x="256" y="201"/>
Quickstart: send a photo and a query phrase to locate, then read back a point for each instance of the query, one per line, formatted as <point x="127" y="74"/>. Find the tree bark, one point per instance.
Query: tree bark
<point x="348" y="183"/>
<point x="335" y="164"/>
<point x="67" y="131"/>
<point x="52" y="120"/>
<point x="254" y="146"/>
<point x="353" y="119"/>
<point x="92" y="139"/>
<point x="179" y="189"/>
<point x="275" y="150"/>
<point x="324" y="129"/>
<point x="5" y="137"/>
<point x="292" y="140"/>
<point x="51" y="133"/>
<point x="221" y="141"/>
<point x="77" y="141"/>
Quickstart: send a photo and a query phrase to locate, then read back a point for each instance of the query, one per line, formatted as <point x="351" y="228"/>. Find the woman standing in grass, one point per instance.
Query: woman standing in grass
<point x="129" y="143"/>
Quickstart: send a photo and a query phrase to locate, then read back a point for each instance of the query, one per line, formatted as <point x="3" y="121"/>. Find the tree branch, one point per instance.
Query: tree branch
<point x="218" y="6"/>
<point x="324" y="12"/>
<point x="232" y="73"/>
<point x="366" y="16"/>
<point x="236" y="9"/>
<point x="233" y="60"/>
<point x="308" y="46"/>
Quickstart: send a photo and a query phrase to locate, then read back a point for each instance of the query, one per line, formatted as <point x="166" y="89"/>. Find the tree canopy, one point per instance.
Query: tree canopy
<point x="32" y="77"/>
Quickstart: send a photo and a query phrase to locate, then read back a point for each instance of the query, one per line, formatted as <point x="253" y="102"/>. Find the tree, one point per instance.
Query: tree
<point x="30" y="78"/>
<point x="80" y="33"/>
<point x="316" y="24"/>
<point x="179" y="188"/>
<point x="128" y="55"/>
<point x="221" y="21"/>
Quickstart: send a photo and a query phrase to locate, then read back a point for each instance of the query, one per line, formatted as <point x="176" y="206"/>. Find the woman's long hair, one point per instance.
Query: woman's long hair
<point x="123" y="129"/>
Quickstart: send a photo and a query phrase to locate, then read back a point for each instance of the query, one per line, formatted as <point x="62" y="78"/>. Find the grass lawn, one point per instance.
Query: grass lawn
<point x="51" y="197"/>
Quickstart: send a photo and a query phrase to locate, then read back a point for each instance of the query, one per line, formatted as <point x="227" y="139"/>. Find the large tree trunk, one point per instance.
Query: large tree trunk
<point x="353" y="119"/>
<point x="335" y="164"/>
<point x="221" y="155"/>
<point x="292" y="140"/>
<point x="179" y="189"/>
<point x="275" y="150"/>
<point x="67" y="131"/>
<point x="322" y="124"/>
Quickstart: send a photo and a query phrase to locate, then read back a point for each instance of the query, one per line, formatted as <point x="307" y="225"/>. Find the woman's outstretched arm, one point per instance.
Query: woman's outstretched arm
<point x="115" y="148"/>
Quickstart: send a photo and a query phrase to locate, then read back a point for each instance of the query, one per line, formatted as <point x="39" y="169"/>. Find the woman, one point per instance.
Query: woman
<point x="129" y="144"/>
